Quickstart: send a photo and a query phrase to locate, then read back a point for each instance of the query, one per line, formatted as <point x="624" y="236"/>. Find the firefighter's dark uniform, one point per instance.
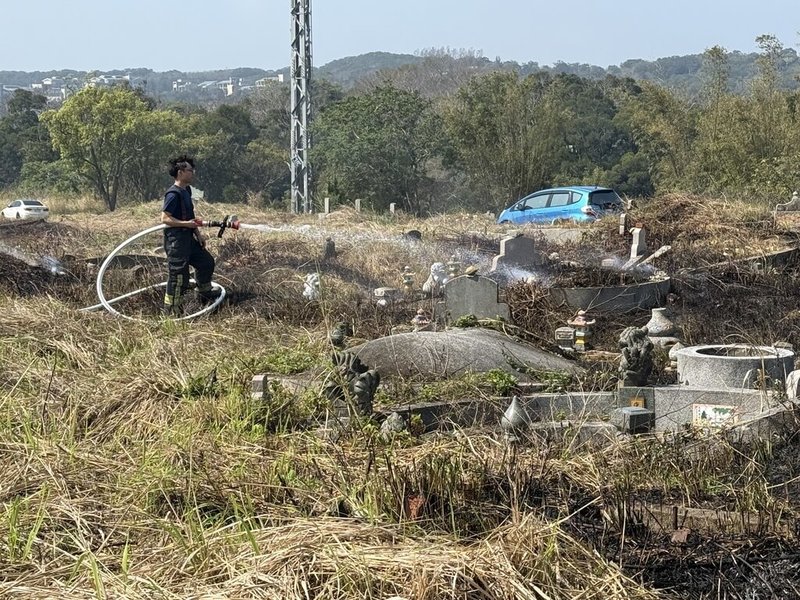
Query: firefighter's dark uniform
<point x="183" y="250"/>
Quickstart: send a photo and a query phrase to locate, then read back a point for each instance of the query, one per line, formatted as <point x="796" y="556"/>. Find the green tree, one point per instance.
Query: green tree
<point x="161" y="133"/>
<point x="745" y="145"/>
<point x="219" y="140"/>
<point x="595" y="139"/>
<point x="379" y="146"/>
<point x="22" y="137"/>
<point x="663" y="127"/>
<point x="507" y="134"/>
<point x="270" y="168"/>
<point x="100" y="133"/>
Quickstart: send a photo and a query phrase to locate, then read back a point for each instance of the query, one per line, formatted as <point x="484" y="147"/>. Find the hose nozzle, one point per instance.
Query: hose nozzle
<point x="232" y="221"/>
<point x="229" y="221"/>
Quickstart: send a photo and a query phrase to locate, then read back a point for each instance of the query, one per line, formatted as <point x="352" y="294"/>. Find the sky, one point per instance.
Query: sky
<point x="85" y="35"/>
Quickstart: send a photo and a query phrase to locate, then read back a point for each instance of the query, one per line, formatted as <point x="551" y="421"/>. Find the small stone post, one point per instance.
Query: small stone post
<point x="408" y="280"/>
<point x="327" y="209"/>
<point x="259" y="387"/>
<point x="639" y="244"/>
<point x="358" y="205"/>
<point x="392" y="208"/>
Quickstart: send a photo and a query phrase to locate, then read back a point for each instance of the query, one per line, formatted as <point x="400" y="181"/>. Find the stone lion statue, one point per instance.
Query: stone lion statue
<point x="636" y="362"/>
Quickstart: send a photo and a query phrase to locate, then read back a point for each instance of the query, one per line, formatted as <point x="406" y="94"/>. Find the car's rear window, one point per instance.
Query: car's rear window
<point x="32" y="203"/>
<point x="605" y="199"/>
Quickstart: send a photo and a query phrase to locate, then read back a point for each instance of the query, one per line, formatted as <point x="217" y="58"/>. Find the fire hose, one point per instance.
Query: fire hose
<point x="229" y="222"/>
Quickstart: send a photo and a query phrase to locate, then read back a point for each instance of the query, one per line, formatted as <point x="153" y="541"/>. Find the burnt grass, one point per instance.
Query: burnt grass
<point x="713" y="299"/>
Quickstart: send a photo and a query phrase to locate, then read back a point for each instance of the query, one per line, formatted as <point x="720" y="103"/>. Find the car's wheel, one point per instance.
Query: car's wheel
<point x="560" y="221"/>
<point x="19" y="216"/>
<point x="505" y="222"/>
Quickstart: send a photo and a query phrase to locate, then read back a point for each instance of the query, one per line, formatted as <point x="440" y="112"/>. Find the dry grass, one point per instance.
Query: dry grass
<point x="137" y="465"/>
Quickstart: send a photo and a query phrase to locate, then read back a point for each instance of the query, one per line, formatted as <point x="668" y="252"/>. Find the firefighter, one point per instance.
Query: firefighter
<point x="184" y="243"/>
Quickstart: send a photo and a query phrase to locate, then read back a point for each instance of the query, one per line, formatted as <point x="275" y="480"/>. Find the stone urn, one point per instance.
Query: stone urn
<point x="660" y="325"/>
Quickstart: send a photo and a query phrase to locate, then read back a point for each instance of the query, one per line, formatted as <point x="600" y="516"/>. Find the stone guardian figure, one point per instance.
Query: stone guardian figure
<point x="636" y="362"/>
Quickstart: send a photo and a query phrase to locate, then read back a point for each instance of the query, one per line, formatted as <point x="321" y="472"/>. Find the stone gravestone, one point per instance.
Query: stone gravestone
<point x="473" y="295"/>
<point x="516" y="252"/>
<point x="639" y="243"/>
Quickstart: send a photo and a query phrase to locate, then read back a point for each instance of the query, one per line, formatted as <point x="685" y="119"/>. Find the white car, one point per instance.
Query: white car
<point x="26" y="209"/>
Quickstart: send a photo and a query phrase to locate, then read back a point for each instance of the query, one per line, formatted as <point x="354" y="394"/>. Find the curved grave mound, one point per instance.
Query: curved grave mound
<point x="434" y="355"/>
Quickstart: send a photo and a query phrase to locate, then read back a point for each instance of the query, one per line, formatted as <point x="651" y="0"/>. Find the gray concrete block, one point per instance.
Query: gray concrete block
<point x="633" y="420"/>
<point x="259" y="387"/>
<point x="779" y="422"/>
<point x="569" y="405"/>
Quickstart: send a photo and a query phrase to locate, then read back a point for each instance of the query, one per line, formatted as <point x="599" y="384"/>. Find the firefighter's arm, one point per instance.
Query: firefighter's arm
<point x="170" y="221"/>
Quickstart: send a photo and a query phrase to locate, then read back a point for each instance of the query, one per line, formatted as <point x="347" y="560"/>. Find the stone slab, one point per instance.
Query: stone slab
<point x="781" y="422"/>
<point x="469" y="295"/>
<point x="793" y="385"/>
<point x="593" y="434"/>
<point x="259" y="387"/>
<point x="569" y="405"/>
<point x="626" y="298"/>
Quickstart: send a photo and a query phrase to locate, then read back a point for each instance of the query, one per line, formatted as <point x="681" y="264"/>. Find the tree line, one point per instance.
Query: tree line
<point x="431" y="137"/>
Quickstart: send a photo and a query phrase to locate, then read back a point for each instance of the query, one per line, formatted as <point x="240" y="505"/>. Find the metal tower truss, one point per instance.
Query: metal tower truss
<point x="300" y="77"/>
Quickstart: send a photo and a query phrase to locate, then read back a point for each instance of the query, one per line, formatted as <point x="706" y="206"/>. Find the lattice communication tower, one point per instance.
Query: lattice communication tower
<point x="300" y="78"/>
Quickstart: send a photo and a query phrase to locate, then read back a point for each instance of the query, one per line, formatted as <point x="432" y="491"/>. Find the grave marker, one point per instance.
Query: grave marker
<point x="516" y="252"/>
<point x="471" y="295"/>
<point x="639" y="243"/>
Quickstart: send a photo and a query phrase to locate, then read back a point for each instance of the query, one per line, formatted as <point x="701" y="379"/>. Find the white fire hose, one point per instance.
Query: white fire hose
<point x="107" y="304"/>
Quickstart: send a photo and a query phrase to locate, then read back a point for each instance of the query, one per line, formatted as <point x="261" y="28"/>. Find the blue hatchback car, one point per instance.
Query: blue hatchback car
<point x="557" y="205"/>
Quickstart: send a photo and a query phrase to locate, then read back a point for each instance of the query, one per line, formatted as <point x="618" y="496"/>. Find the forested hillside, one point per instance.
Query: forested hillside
<point x="443" y="131"/>
<point x="683" y="73"/>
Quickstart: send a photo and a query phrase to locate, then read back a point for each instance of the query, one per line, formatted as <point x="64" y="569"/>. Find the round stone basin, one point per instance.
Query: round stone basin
<point x="618" y="299"/>
<point x="732" y="366"/>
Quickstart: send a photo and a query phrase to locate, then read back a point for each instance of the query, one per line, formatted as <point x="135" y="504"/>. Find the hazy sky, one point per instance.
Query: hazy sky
<point x="211" y="34"/>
